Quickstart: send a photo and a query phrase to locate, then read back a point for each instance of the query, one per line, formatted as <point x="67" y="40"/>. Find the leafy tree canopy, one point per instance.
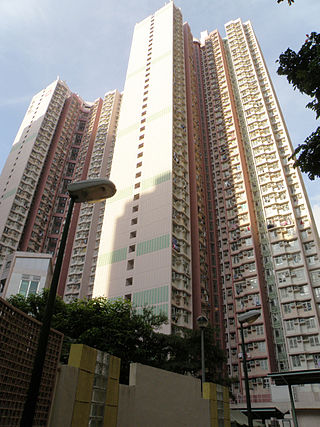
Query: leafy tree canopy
<point x="303" y="72"/>
<point x="117" y="328"/>
<point x="290" y="2"/>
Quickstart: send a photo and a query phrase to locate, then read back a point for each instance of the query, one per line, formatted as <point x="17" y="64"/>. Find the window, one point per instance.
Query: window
<point x="135" y="208"/>
<point x="141" y="137"/>
<point x="129" y="281"/>
<point x="285" y="292"/>
<point x="310" y="323"/>
<point x="290" y="324"/>
<point x="130" y="264"/>
<point x="293" y="342"/>
<point x="287" y="308"/>
<point x="314" y="340"/>
<point x="139" y="165"/>
<point x="304" y="290"/>
<point x="138" y="174"/>
<point x="81" y="126"/>
<point x="134" y="221"/>
<point x="259" y="330"/>
<point x="278" y="260"/>
<point x="133" y="234"/>
<point x="136" y="196"/>
<point x="132" y="248"/>
<point x="263" y="364"/>
<point x="127" y="297"/>
<point x="28" y="287"/>
<point x="307" y="306"/>
<point x="296" y="362"/>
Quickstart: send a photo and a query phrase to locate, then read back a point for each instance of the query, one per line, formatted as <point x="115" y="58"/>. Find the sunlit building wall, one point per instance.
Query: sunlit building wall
<point x="144" y="250"/>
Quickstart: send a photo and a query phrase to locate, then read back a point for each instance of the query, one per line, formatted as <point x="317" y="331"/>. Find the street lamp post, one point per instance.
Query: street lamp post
<point x="91" y="191"/>
<point x="202" y="323"/>
<point x="248" y="317"/>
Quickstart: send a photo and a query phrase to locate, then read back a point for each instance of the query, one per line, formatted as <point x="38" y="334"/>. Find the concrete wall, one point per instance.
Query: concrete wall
<point x="88" y="393"/>
<point x="87" y="390"/>
<point x="159" y="398"/>
<point x="308" y="417"/>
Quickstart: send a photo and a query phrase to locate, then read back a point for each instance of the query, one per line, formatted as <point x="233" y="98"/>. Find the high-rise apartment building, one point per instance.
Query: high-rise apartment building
<point x="86" y="241"/>
<point x="56" y="144"/>
<point x="145" y="246"/>
<point x="210" y="215"/>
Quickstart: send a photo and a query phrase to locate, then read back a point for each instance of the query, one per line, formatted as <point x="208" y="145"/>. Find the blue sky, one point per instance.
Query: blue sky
<point x="87" y="44"/>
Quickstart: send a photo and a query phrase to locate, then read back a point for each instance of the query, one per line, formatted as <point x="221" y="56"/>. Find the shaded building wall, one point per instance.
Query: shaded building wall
<point x="26" y="163"/>
<point x="265" y="228"/>
<point x="86" y="240"/>
<point x="156" y="397"/>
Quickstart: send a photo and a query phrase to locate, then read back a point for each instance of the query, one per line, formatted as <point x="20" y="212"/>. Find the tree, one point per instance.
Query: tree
<point x="117" y="328"/>
<point x="303" y="72"/>
<point x="290" y="2"/>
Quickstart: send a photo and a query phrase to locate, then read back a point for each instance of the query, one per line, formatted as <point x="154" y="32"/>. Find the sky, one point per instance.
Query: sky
<point x="87" y="44"/>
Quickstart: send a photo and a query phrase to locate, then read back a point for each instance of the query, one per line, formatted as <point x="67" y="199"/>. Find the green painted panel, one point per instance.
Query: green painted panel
<point x="15" y="147"/>
<point x="155" y="296"/>
<point x="112" y="257"/>
<point x="160" y="57"/>
<point x="153" y="245"/>
<point x="154" y="61"/>
<point x="147" y="183"/>
<point x="128" y="129"/>
<point x="9" y="193"/>
<point x="137" y="71"/>
<point x="121" y="194"/>
<point x="156" y="179"/>
<point x="137" y="125"/>
<point x="159" y="114"/>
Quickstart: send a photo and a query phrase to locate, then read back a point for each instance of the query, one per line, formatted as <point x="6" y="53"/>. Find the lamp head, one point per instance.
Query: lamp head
<point x="202" y="321"/>
<point x="249" y="316"/>
<point x="91" y="190"/>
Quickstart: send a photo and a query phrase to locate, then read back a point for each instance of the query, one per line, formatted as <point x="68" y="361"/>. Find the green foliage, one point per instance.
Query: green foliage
<point x="303" y="72"/>
<point x="117" y="328"/>
<point x="290" y="2"/>
<point x="35" y="305"/>
<point x="185" y="356"/>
